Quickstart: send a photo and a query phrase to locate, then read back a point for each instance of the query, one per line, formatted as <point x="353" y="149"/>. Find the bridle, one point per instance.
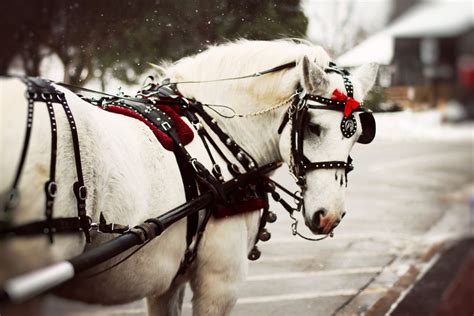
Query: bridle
<point x="297" y="116"/>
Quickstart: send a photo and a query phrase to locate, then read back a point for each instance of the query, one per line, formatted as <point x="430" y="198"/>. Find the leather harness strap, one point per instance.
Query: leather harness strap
<point x="40" y="90"/>
<point x="13" y="195"/>
<point x="50" y="187"/>
<point x="165" y="124"/>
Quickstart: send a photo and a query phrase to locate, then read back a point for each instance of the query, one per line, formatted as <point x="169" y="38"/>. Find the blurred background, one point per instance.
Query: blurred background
<point x="425" y="47"/>
<point x="411" y="196"/>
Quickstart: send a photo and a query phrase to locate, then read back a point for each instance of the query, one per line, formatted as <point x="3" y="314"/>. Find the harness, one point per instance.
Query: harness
<point x="40" y="90"/>
<point x="196" y="178"/>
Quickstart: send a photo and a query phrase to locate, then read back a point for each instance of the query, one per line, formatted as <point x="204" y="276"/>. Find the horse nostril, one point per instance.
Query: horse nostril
<point x="343" y="214"/>
<point x="317" y="216"/>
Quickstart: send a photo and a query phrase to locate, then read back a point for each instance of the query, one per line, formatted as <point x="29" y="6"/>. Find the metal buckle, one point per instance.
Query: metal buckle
<point x="166" y="126"/>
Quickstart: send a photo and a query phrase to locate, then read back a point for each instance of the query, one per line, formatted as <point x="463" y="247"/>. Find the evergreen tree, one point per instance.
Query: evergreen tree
<point x="92" y="37"/>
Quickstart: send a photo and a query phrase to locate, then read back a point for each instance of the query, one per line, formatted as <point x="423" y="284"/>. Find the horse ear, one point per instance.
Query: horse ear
<point x="313" y="79"/>
<point x="366" y="74"/>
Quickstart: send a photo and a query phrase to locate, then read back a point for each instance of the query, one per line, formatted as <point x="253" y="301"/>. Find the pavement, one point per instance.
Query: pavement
<point x="407" y="202"/>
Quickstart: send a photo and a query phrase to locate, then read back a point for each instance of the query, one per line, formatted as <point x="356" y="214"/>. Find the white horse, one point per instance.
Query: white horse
<point x="130" y="177"/>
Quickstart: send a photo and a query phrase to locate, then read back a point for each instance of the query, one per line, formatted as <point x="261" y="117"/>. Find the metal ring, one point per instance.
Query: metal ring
<point x="235" y="168"/>
<point x="217" y="169"/>
<point x="197" y="126"/>
<point x="52" y="189"/>
<point x="44" y="96"/>
<point x="94" y="226"/>
<point x="298" y="196"/>
<point x="30" y="95"/>
<point x="82" y="193"/>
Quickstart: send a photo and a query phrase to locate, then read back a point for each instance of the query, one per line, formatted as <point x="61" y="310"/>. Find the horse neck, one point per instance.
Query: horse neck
<point x="257" y="134"/>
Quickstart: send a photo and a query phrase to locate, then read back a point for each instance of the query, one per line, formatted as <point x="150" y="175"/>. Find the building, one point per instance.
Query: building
<point x="426" y="54"/>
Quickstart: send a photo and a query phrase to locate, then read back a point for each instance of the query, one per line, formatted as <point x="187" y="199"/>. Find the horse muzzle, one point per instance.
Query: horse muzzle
<point x="322" y="222"/>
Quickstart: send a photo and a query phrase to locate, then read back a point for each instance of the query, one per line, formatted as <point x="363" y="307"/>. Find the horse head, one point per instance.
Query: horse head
<point x="326" y="140"/>
<point x="299" y="72"/>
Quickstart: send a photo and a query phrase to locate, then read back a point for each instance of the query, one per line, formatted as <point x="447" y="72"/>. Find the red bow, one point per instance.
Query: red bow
<point x="350" y="105"/>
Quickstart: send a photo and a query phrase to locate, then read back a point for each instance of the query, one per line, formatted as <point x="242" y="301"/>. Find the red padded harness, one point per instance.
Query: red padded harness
<point x="185" y="133"/>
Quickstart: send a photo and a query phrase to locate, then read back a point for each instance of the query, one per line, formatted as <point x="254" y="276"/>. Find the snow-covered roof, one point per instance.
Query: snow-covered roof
<point x="378" y="48"/>
<point x="435" y="18"/>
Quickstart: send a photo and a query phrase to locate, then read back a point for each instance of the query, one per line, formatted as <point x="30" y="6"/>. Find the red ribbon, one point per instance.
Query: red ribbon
<point x="350" y="105"/>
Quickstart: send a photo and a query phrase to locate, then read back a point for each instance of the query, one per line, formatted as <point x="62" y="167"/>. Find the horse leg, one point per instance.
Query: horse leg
<point x="221" y="266"/>
<point x="169" y="303"/>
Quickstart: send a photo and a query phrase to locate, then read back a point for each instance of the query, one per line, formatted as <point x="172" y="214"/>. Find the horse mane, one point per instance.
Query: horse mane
<point x="244" y="57"/>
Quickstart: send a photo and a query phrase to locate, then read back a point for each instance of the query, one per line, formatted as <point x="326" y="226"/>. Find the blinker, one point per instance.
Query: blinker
<point x="367" y="121"/>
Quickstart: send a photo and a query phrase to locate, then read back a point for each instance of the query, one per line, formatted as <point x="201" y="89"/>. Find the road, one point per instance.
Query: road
<point x="405" y="201"/>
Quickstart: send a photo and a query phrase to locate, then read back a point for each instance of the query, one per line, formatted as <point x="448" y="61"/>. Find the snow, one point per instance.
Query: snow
<point x="421" y="126"/>
<point x="434" y="18"/>
<point x="378" y="48"/>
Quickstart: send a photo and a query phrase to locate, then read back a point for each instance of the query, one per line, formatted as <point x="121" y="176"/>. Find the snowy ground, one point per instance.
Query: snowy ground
<point x="420" y="126"/>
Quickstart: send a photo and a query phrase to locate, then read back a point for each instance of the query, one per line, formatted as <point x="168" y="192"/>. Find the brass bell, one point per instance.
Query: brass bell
<point x="254" y="254"/>
<point x="264" y="235"/>
<point x="271" y="217"/>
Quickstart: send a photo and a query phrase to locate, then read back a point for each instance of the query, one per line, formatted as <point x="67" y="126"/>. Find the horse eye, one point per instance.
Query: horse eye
<point x="315" y="129"/>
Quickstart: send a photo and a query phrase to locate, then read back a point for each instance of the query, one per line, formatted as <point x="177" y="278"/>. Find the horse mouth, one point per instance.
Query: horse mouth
<point x="325" y="227"/>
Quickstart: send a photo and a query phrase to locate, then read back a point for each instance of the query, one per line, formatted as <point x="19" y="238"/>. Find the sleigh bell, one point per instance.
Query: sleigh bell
<point x="264" y="235"/>
<point x="271" y="217"/>
<point x="254" y="254"/>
